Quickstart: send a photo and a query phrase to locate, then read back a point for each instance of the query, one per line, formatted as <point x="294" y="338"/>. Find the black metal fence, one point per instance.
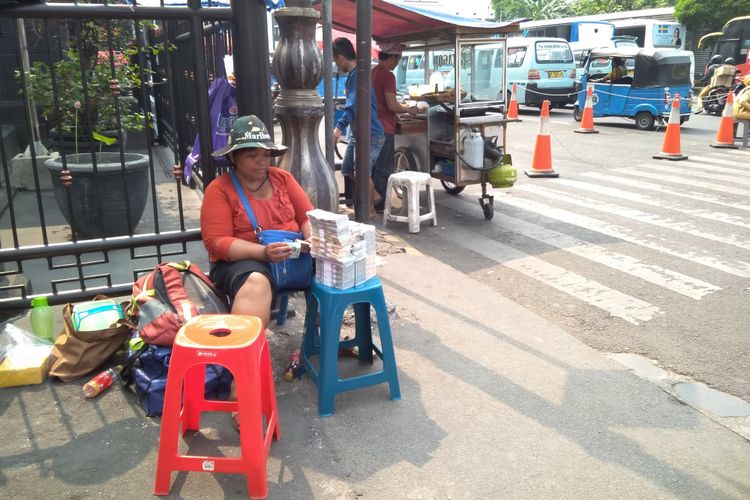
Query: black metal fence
<point x="97" y="119"/>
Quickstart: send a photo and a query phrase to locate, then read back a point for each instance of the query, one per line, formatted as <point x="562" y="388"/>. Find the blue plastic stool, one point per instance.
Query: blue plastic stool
<point x="324" y="341"/>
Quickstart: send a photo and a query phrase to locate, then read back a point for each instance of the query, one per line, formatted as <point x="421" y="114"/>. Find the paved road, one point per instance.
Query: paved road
<point x="628" y="253"/>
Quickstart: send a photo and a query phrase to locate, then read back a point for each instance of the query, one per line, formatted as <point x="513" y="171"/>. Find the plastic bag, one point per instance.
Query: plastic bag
<point x="24" y="358"/>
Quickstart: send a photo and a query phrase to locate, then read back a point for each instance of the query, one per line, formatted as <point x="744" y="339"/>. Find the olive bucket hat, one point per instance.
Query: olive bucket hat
<point x="250" y="132"/>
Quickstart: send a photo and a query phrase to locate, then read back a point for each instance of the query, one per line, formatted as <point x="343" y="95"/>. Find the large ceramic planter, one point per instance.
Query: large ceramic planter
<point x="101" y="205"/>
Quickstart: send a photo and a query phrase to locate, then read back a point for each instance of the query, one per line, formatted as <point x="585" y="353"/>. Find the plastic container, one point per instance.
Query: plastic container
<point x="42" y="319"/>
<point x="96" y="385"/>
<point x="95" y="315"/>
<point x="473" y="153"/>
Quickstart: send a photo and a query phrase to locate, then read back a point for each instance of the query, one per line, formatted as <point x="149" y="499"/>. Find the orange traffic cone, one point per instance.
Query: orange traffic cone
<point x="725" y="135"/>
<point x="670" y="150"/>
<point x="513" y="104"/>
<point x="541" y="162"/>
<point x="587" y="121"/>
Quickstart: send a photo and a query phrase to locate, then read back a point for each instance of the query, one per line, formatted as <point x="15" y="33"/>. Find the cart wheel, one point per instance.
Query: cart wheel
<point x="683" y="119"/>
<point x="577" y="114"/>
<point x="644" y="120"/>
<point x="489" y="210"/>
<point x="403" y="160"/>
<point x="451" y="188"/>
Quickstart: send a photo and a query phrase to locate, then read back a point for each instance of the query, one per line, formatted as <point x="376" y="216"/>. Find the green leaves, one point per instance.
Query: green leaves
<point x="704" y="14"/>
<point x="507" y="10"/>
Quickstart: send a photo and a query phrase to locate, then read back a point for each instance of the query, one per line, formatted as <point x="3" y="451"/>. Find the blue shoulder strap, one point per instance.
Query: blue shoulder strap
<point x="243" y="198"/>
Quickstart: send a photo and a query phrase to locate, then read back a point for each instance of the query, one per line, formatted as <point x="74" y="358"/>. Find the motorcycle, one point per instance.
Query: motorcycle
<point x="716" y="99"/>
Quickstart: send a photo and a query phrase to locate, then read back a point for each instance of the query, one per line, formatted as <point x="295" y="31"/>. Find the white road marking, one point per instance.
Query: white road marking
<point x="711" y="166"/>
<point x="693" y="173"/>
<point x="720" y="161"/>
<point x="686" y="180"/>
<point x="665" y="278"/>
<point x="664" y="245"/>
<point x="646" y="200"/>
<point x="638" y="215"/>
<point x="693" y="195"/>
<point x="616" y="303"/>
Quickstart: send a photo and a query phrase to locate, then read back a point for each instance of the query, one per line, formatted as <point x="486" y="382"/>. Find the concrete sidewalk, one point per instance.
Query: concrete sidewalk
<point x="496" y="403"/>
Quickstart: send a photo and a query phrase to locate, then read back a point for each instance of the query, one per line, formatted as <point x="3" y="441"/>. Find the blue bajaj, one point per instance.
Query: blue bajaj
<point x="654" y="78"/>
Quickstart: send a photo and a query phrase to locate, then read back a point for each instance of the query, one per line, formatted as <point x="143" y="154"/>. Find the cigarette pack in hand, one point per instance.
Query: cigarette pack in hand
<point x="296" y="246"/>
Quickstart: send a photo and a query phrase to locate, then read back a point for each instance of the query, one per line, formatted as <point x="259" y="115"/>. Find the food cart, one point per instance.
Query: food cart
<point x="461" y="137"/>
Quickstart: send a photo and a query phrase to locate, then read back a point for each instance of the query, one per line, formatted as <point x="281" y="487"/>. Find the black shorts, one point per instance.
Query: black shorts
<point x="230" y="276"/>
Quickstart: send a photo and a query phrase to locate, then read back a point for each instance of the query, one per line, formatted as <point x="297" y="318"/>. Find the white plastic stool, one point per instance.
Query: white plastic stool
<point x="410" y="184"/>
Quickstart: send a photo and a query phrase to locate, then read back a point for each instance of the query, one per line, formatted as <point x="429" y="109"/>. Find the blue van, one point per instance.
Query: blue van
<point x="645" y="94"/>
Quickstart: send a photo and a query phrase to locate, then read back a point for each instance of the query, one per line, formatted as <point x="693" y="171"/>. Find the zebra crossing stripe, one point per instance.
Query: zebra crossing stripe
<point x="648" y="186"/>
<point x="732" y="179"/>
<point x="695" y="254"/>
<point x="616" y="303"/>
<point x="685" y="181"/>
<point x="735" y="152"/>
<point x="639" y="216"/>
<point x="646" y="200"/>
<point x="665" y="278"/>
<point x="726" y="154"/>
<point x="713" y="165"/>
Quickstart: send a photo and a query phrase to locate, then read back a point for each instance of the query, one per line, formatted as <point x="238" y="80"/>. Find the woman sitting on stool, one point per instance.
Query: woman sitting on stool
<point x="238" y="260"/>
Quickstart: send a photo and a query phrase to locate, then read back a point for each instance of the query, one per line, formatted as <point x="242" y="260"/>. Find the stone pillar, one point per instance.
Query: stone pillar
<point x="298" y="65"/>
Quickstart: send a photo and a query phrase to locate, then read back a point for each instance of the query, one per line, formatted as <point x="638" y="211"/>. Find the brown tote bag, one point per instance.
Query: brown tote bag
<point x="76" y="354"/>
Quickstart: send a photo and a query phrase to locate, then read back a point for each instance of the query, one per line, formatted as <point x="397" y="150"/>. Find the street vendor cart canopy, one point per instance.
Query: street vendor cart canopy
<point x="403" y="23"/>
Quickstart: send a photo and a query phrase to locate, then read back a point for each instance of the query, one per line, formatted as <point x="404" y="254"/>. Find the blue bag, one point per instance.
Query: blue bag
<point x="289" y="274"/>
<point x="147" y="369"/>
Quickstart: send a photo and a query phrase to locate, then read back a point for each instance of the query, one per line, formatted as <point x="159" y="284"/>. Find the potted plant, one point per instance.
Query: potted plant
<point x="100" y="194"/>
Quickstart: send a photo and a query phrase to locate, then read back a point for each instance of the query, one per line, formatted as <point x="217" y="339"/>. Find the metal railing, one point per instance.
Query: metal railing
<point x="145" y="72"/>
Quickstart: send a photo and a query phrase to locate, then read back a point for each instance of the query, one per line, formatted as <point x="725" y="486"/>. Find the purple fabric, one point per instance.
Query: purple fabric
<point x="222" y="105"/>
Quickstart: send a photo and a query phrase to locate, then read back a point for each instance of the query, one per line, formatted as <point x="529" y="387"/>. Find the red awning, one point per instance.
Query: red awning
<point x="402" y="22"/>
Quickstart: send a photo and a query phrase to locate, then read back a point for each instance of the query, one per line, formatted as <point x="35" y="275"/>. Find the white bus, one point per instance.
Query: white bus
<point x="653" y="33"/>
<point x="588" y="33"/>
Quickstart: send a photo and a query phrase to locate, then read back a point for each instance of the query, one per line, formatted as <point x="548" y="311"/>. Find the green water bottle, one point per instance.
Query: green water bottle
<point x="42" y="319"/>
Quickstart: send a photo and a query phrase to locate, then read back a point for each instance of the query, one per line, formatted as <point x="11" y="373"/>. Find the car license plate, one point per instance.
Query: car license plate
<point x="555" y="74"/>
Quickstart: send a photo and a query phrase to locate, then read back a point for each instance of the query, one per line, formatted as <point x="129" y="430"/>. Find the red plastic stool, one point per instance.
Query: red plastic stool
<point x="237" y="343"/>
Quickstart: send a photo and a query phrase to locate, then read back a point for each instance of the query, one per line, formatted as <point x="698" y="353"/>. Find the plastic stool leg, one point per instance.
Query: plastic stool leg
<point x="330" y="326"/>
<point x="363" y="331"/>
<point x="283" y="303"/>
<point x="307" y="349"/>
<point x="251" y="431"/>
<point x="193" y="398"/>
<point x="413" y="208"/>
<point x="168" y="435"/>
<point x="386" y="346"/>
<point x="431" y="195"/>
<point x="387" y="207"/>
<point x="268" y="394"/>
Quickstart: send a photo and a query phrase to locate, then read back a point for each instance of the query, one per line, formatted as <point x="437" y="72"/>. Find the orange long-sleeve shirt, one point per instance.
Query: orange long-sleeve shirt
<point x="223" y="216"/>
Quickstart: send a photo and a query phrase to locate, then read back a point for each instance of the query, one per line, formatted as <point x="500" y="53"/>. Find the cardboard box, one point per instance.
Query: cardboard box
<point x="725" y="70"/>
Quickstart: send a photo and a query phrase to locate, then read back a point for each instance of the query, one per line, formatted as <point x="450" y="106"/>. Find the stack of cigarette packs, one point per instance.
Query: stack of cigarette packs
<point x="344" y="250"/>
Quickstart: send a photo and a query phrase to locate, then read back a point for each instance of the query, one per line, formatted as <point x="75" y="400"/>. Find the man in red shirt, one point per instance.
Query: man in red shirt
<point x="384" y="86"/>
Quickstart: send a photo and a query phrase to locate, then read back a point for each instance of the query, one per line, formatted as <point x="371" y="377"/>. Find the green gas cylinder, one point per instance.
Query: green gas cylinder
<point x="504" y="175"/>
